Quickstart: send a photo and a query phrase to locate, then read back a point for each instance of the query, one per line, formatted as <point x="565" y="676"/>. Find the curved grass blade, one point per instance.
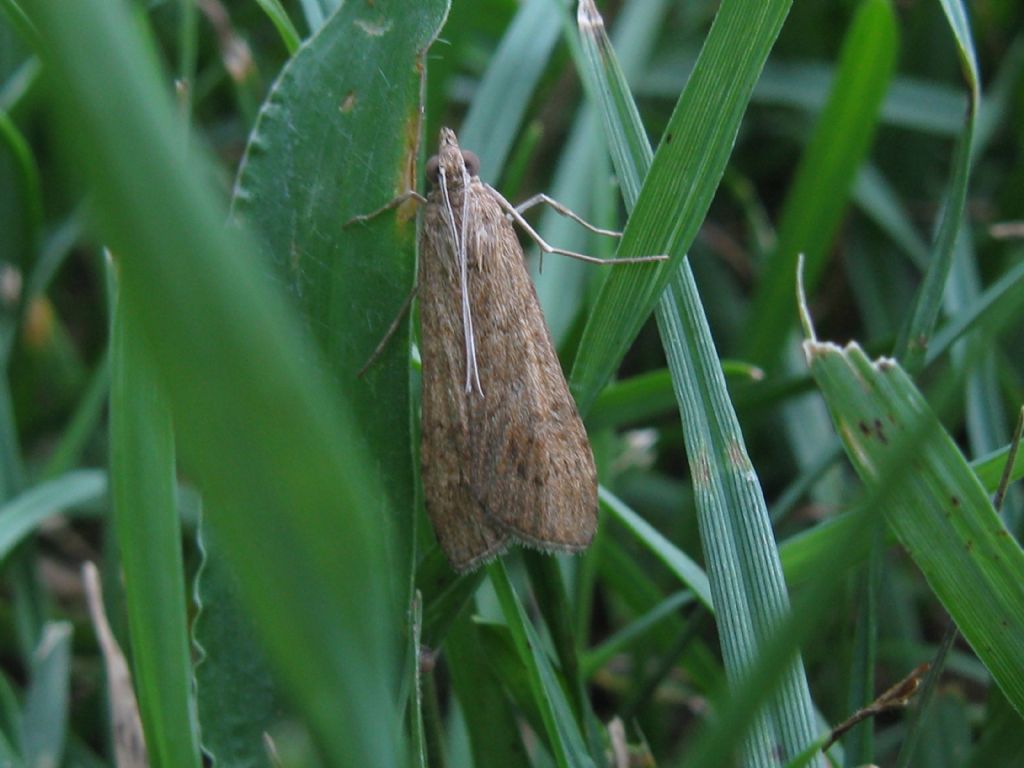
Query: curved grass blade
<point x="282" y="23"/>
<point x="24" y="513"/>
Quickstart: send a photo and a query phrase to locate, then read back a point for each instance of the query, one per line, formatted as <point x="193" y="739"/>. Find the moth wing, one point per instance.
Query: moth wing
<point x="532" y="466"/>
<point x="464" y="532"/>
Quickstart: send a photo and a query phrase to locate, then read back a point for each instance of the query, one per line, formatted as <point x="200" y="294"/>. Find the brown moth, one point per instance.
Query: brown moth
<point x="504" y="455"/>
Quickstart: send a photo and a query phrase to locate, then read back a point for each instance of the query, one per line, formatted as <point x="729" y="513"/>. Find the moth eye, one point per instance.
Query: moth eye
<point x="472" y="162"/>
<point x="431" y="170"/>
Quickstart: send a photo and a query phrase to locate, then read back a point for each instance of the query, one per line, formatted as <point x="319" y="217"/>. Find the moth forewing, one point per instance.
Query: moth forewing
<point x="505" y="455"/>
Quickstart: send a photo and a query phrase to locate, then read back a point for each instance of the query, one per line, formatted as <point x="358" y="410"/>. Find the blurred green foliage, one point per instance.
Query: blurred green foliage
<point x="216" y="343"/>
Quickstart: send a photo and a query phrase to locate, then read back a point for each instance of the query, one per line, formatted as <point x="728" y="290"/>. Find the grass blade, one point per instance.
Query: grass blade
<point x="564" y="737"/>
<point x="26" y="512"/>
<point x="283" y="466"/>
<point x="688" y="572"/>
<point x="680" y="184"/>
<point x="44" y="727"/>
<point x="143" y="484"/>
<point x="282" y="23"/>
<point x="492" y="123"/>
<point x="941" y="516"/>
<point x="819" y="191"/>
<point x="744" y="570"/>
<point x="912" y="345"/>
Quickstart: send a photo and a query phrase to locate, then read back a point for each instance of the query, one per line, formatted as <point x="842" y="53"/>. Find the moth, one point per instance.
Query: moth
<point x="505" y="457"/>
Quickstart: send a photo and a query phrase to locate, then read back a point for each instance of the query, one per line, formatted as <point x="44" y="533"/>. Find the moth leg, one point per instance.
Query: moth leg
<point x="412" y="194"/>
<point x="559" y="208"/>
<point x="392" y="329"/>
<point x="544" y="246"/>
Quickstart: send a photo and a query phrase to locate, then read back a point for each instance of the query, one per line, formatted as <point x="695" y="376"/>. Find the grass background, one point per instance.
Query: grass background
<point x="180" y="404"/>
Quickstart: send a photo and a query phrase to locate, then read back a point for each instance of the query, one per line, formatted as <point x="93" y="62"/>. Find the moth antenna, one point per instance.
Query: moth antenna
<point x="471" y="359"/>
<point x="462" y="259"/>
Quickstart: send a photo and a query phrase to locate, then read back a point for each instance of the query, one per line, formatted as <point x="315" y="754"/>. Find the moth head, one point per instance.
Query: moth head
<point x="456" y="163"/>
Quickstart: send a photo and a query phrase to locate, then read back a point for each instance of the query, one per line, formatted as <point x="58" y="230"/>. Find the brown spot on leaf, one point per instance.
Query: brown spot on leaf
<point x="348" y="103"/>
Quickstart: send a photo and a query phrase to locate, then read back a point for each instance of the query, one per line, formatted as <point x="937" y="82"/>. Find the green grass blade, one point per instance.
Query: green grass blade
<point x="44" y="727"/>
<point x="69" y="449"/>
<point x="818" y="195"/>
<point x="316" y="11"/>
<point x="11" y="469"/>
<point x="143" y="486"/>
<point x="28" y="181"/>
<point x="282" y="23"/>
<point x="493" y="735"/>
<point x="912" y="103"/>
<point x="745" y="574"/>
<point x="492" y="123"/>
<point x="994" y="307"/>
<point x="26" y="512"/>
<point x="912" y="345"/>
<point x="744" y="570"/>
<point x="680" y="184"/>
<point x="941" y="516"/>
<point x="646" y="396"/>
<point x="20" y="21"/>
<point x="418" y="734"/>
<point x="445" y="594"/>
<point x="634" y="400"/>
<point x="810" y="610"/>
<point x="564" y="737"/>
<point x="630" y="149"/>
<point x="879" y="201"/>
<point x="688" y="572"/>
<point x="989" y="469"/>
<point x="583" y="180"/>
<point x="622" y="640"/>
<point x="279" y="456"/>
